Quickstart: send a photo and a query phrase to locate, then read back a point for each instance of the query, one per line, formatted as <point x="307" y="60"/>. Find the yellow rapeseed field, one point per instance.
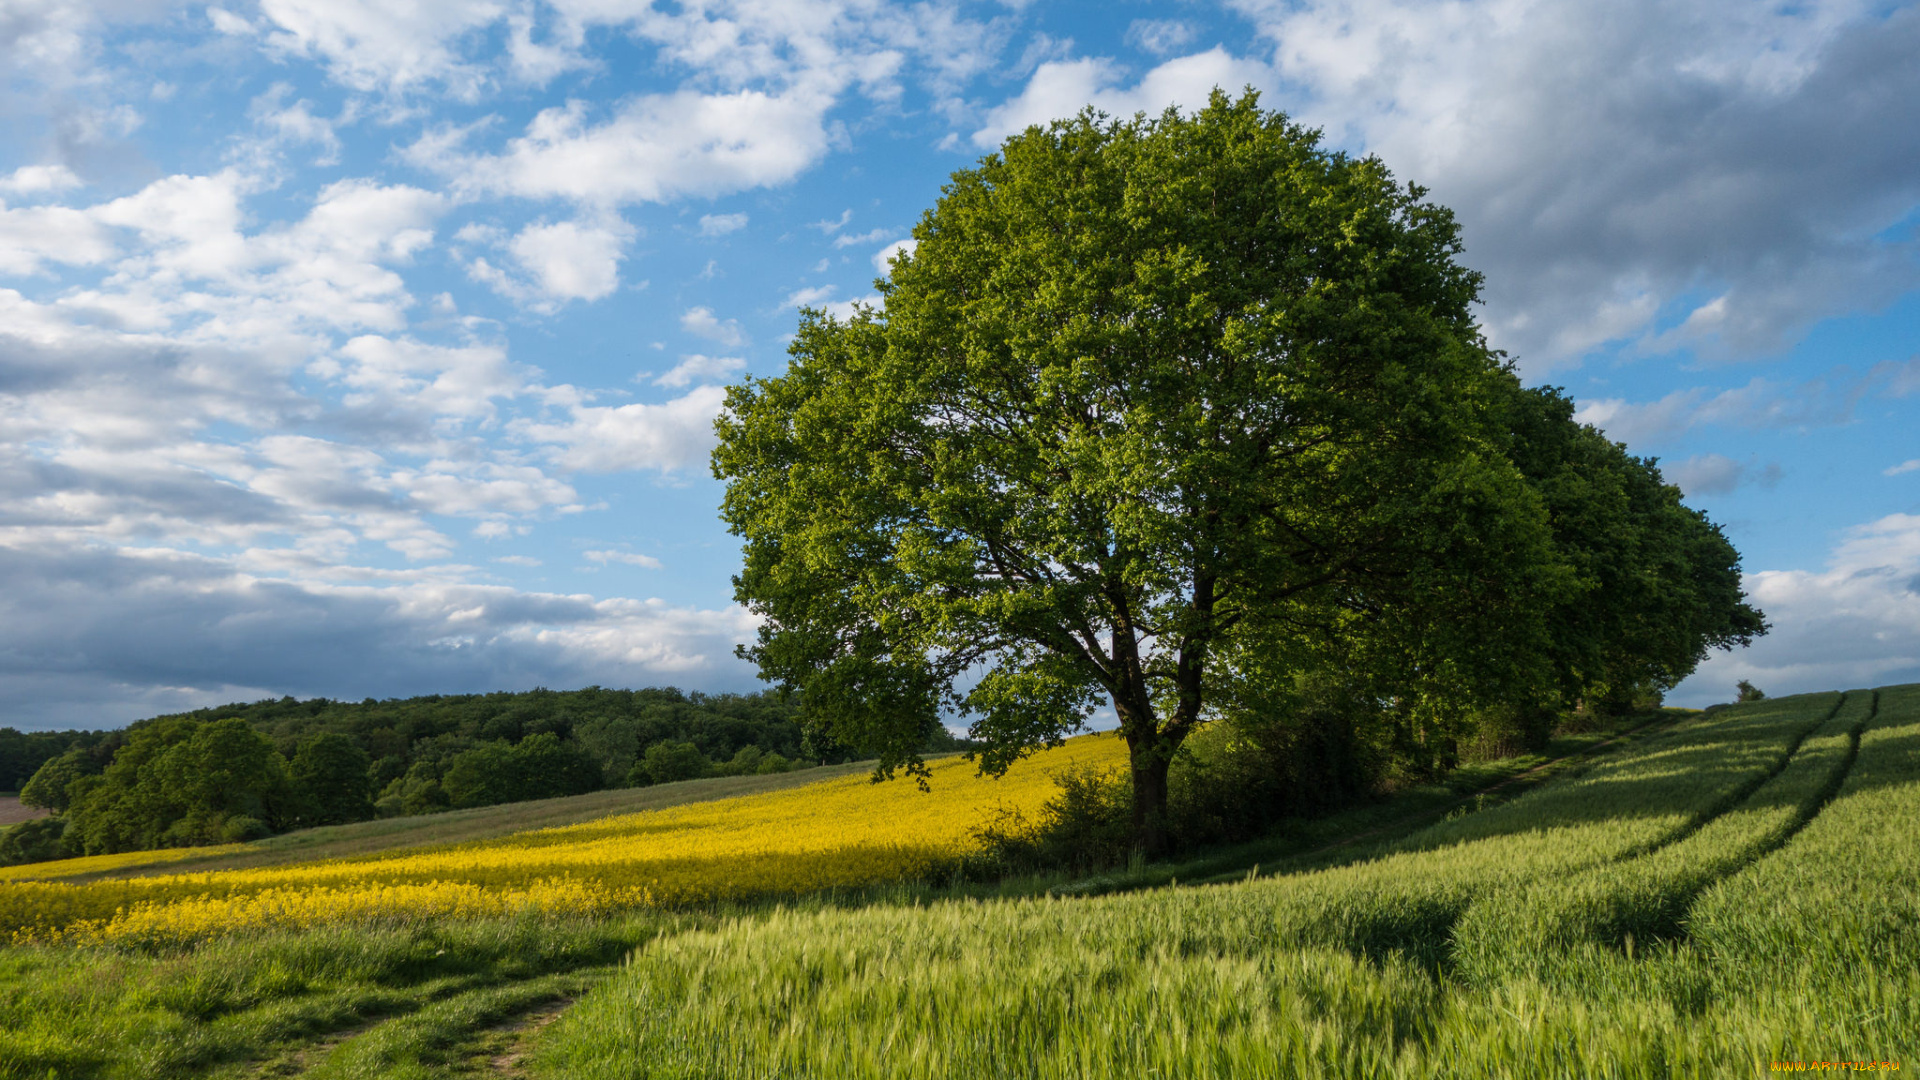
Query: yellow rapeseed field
<point x="842" y="833"/>
<point x="100" y="864"/>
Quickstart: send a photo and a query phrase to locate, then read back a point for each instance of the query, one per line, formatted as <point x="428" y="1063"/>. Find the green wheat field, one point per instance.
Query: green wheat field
<point x="1727" y="894"/>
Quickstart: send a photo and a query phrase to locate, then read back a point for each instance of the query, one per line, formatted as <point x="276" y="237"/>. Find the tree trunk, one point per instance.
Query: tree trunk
<point x="1150" y="759"/>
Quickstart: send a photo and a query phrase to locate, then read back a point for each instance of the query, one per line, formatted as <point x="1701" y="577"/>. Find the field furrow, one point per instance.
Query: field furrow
<point x="1543" y="926"/>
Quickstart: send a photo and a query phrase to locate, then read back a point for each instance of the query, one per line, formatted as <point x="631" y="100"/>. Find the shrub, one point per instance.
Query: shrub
<point x="34" y="841"/>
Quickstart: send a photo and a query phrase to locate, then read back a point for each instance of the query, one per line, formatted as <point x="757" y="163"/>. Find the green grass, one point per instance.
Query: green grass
<point x="1711" y="894"/>
<point x="172" y="1013"/>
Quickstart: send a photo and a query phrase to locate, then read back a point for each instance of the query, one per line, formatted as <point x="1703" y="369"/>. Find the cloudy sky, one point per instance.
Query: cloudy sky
<point x="370" y="347"/>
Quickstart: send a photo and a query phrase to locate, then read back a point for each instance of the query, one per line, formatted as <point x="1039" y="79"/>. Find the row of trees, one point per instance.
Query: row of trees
<point x="1187" y="416"/>
<point x="242" y="771"/>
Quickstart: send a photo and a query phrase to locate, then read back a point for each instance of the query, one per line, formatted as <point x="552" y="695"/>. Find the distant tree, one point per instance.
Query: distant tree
<point x="1749" y="692"/>
<point x="482" y="776"/>
<point x="1151" y="400"/>
<point x="539" y="766"/>
<point x="47" y="789"/>
<point x="227" y="770"/>
<point x="667" y="762"/>
<point x="182" y="781"/>
<point x="330" y="778"/>
<point x="549" y="768"/>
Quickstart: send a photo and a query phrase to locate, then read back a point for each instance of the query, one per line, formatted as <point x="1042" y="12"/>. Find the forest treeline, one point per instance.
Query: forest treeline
<point x="244" y="771"/>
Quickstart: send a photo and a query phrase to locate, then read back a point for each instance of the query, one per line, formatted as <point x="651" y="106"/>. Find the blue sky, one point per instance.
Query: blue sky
<point x="358" y="348"/>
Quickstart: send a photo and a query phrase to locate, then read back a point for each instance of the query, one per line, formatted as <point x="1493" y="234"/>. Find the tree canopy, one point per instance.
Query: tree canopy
<point x="1157" y="413"/>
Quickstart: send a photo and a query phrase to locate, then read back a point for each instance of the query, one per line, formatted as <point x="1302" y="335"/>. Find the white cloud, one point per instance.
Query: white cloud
<point x="721" y="224"/>
<point x="369" y="45"/>
<point x="38" y="179"/>
<point x="569" y="260"/>
<point x="1159" y="36"/>
<point x="655" y="148"/>
<point x="1060" y="89"/>
<point x="812" y="296"/>
<point x="853" y="239"/>
<point x="1608" y="161"/>
<point x="674" y="435"/>
<point x="556" y="262"/>
<point x="463" y="381"/>
<point x="701" y="369"/>
<point x="295" y="123"/>
<point x="1907" y="466"/>
<point x="518" y="560"/>
<point x="702" y="322"/>
<point x="627" y="557"/>
<point x="32" y="236"/>
<point x="883" y="259"/>
<point x="1856" y="623"/>
<point x="831" y="226"/>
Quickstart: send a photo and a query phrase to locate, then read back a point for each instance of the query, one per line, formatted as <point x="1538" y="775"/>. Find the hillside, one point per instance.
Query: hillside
<point x="1702" y="899"/>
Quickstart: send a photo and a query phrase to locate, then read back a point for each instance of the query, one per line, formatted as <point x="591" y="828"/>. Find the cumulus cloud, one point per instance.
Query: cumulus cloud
<point x="700" y="369"/>
<point x="1060" y="89"/>
<point x="721" y="224"/>
<point x="1855" y="623"/>
<point x="702" y="322"/>
<point x="368" y="45"/>
<point x="654" y="148"/>
<point x="38" y="179"/>
<point x="570" y="261"/>
<point x="1607" y="162"/>
<point x="102" y="637"/>
<point x="552" y="263"/>
<point x="673" y="435"/>
<point x="628" y="558"/>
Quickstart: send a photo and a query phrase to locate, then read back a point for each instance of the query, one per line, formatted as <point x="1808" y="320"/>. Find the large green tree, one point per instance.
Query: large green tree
<point x="1149" y="400"/>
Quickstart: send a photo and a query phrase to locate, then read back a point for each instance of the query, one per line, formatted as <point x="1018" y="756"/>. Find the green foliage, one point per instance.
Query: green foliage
<point x="537" y="767"/>
<point x="1749" y="692"/>
<point x="667" y="762"/>
<point x="33" y="841"/>
<point x="331" y="775"/>
<point x="417" y="791"/>
<point x="48" y="787"/>
<point x="23" y="753"/>
<point x="182" y="782"/>
<point x="1657" y="584"/>
<point x="222" y="774"/>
